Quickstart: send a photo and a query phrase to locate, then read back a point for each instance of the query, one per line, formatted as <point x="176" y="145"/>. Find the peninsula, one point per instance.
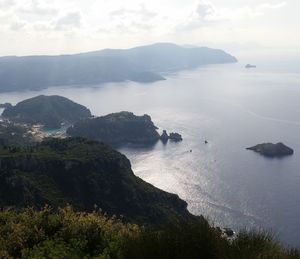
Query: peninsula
<point x="117" y="129"/>
<point x="141" y="64"/>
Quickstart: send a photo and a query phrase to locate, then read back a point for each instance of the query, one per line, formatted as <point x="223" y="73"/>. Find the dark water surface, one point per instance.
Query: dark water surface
<point x="231" y="107"/>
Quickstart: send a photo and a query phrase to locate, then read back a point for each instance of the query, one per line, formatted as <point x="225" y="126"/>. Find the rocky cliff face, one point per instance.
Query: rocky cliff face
<point x="85" y="174"/>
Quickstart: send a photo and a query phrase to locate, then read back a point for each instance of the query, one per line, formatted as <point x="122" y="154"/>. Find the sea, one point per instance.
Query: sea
<point x="231" y="108"/>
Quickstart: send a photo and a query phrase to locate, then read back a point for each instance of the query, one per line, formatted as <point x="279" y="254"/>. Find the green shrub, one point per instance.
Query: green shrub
<point x="65" y="234"/>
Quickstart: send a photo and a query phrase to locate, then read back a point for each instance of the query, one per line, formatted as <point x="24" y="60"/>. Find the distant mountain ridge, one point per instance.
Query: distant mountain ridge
<point x="140" y="64"/>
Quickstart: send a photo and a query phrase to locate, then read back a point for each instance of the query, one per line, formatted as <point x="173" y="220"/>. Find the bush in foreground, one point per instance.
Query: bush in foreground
<point x="68" y="234"/>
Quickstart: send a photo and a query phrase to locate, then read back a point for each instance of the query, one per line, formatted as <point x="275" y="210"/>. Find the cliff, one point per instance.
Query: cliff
<point x="83" y="173"/>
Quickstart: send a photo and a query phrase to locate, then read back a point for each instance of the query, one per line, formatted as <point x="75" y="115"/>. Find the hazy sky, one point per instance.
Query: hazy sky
<point x="67" y="26"/>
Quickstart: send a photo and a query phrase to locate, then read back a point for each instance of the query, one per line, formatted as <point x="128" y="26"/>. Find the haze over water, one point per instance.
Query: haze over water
<point x="232" y="108"/>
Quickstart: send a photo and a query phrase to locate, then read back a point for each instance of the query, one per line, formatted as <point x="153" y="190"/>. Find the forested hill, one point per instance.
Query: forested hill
<point x="51" y="111"/>
<point x="117" y="129"/>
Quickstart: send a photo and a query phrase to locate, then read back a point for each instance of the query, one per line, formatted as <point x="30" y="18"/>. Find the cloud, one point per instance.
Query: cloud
<point x="16" y="26"/>
<point x="205" y="10"/>
<point x="69" y="21"/>
<point x="141" y="12"/>
<point x="272" y="6"/>
<point x="135" y="20"/>
<point x="105" y="22"/>
<point x="6" y="4"/>
<point x="66" y="24"/>
<point x="205" y="13"/>
<point x="262" y="8"/>
<point x="26" y="15"/>
<point x="37" y="8"/>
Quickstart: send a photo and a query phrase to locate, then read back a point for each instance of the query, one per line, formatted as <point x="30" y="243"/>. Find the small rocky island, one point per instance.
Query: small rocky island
<point x="117" y="129"/>
<point x="50" y="111"/>
<point x="173" y="136"/>
<point x="272" y="150"/>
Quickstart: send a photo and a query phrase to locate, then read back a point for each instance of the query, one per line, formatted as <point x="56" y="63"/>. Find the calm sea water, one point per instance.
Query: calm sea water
<point x="231" y="107"/>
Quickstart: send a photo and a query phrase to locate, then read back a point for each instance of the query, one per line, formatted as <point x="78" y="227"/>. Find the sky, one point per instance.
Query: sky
<point x="29" y="27"/>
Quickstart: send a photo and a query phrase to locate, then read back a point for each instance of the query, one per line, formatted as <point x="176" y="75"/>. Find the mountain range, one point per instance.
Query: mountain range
<point x="140" y="64"/>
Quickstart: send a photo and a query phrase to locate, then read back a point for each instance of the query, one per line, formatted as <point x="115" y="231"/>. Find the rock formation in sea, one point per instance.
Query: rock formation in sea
<point x="173" y="136"/>
<point x="272" y="150"/>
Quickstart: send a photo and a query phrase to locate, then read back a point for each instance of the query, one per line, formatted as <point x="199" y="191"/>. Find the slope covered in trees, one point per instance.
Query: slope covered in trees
<point x="84" y="174"/>
<point x="50" y="111"/>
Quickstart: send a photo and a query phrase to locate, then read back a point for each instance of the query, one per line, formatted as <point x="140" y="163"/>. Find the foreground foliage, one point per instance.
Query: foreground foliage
<point x="67" y="234"/>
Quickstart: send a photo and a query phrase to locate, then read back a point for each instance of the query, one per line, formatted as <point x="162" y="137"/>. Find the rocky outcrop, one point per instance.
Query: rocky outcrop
<point x="173" y="136"/>
<point x="272" y="150"/>
<point x="164" y="136"/>
<point x="117" y="129"/>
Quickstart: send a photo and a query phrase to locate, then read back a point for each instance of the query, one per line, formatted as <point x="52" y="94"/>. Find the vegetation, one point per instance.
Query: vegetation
<point x="116" y="215"/>
<point x="85" y="174"/>
<point x="14" y="135"/>
<point x="5" y="105"/>
<point x="50" y="111"/>
<point x="117" y="129"/>
<point x="69" y="234"/>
